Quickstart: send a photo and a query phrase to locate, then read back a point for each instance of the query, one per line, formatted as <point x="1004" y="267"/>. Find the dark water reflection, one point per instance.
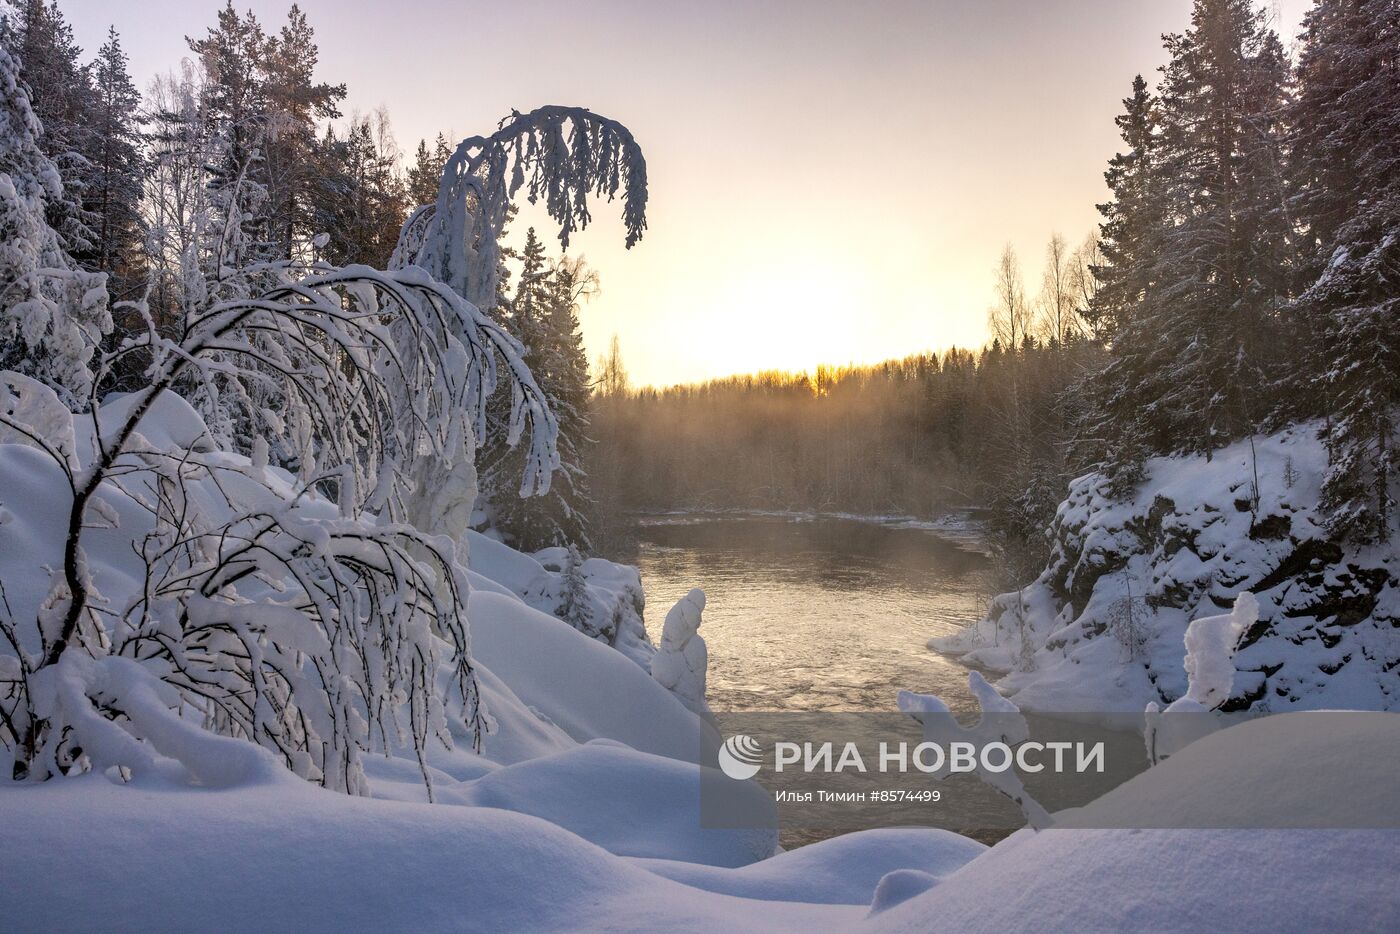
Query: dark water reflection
<point x="821" y="614"/>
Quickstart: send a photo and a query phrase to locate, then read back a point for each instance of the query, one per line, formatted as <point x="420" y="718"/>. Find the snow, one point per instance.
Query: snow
<point x="614" y="590"/>
<point x="1106" y="621"/>
<point x="842" y="870"/>
<point x="579" y="684"/>
<point x="629" y="804"/>
<point x="1000" y="722"/>
<point x="97" y="855"/>
<point x="100" y="857"/>
<point x="1210" y="652"/>
<point x="681" y="662"/>
<point x="581" y="810"/>
<point x="1279" y="769"/>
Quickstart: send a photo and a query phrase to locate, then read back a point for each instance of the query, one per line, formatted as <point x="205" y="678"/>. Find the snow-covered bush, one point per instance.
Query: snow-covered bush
<point x="1211" y="642"/>
<point x="301" y="614"/>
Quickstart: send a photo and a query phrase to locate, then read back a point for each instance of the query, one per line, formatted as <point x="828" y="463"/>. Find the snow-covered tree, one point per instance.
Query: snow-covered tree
<point x="1195" y="296"/>
<point x="569" y="391"/>
<point x="362" y="200"/>
<point x="176" y="203"/>
<point x="543" y="315"/>
<point x="558" y="154"/>
<point x="1211" y="643"/>
<point x="1000" y="722"/>
<point x="425" y="174"/>
<point x="290" y="170"/>
<point x="118" y="172"/>
<point x="682" y="660"/>
<point x="1133" y="215"/>
<point x="62" y="97"/>
<point x="1346" y="164"/>
<point x="298" y="613"/>
<point x="575" y="604"/>
<point x="52" y="314"/>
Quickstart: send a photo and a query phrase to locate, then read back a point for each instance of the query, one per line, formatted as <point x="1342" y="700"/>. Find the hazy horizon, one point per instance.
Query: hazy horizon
<point x="836" y="185"/>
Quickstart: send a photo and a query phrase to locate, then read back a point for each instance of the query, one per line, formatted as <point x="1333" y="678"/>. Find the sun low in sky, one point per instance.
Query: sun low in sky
<point x="830" y="182"/>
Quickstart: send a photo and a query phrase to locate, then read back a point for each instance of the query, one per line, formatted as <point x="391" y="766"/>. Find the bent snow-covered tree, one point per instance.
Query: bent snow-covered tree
<point x="297" y="613"/>
<point x="180" y="605"/>
<point x="558" y="155"/>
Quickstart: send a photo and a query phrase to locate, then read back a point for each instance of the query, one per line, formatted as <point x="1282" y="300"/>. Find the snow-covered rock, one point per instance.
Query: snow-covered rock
<point x="1104" y="624"/>
<point x="682" y="661"/>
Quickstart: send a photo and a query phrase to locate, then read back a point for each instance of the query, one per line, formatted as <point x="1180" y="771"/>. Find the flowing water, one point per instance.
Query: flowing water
<point x="807" y="618"/>
<point x="817" y="614"/>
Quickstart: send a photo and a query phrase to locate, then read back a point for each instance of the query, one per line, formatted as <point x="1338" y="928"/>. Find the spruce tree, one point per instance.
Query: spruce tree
<point x="362" y="202"/>
<point x="426" y="172"/>
<point x="575" y="603"/>
<point x="1132" y="217"/>
<point x="118" y="173"/>
<point x="53" y="314"/>
<point x="543" y="315"/>
<point x="1193" y="355"/>
<point x="499" y="464"/>
<point x="1346" y="166"/>
<point x="570" y="504"/>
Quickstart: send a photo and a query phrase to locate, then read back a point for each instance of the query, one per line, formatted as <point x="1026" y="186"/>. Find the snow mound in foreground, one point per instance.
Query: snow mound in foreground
<point x="85" y="854"/>
<point x="98" y="857"/>
<point x="1278" y="768"/>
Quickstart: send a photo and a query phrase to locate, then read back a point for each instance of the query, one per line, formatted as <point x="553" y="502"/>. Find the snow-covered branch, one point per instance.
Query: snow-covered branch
<point x="299" y="613"/>
<point x="556" y="154"/>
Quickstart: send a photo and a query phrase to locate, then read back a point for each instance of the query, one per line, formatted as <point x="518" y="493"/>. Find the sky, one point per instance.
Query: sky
<point x="830" y="182"/>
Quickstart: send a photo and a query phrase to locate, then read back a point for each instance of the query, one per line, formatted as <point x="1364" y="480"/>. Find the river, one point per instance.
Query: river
<point x="820" y="614"/>
<point x="813" y="625"/>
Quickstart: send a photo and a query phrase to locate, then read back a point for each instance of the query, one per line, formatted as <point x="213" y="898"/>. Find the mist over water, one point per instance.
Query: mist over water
<point x="816" y="614"/>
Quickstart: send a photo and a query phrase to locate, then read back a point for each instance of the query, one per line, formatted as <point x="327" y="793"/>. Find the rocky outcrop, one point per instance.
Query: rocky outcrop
<point x="1102" y="626"/>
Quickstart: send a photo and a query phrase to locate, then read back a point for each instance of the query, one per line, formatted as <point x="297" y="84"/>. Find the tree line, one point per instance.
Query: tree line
<point x="917" y="436"/>
<point x="1245" y="276"/>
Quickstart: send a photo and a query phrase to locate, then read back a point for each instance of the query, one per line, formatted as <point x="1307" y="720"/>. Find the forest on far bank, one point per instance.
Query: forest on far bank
<point x="916" y="436"/>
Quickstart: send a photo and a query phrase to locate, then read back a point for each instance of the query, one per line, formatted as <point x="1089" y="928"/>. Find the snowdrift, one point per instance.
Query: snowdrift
<point x="617" y="602"/>
<point x="1101" y="629"/>
<point x="85" y="854"/>
<point x="1197" y="880"/>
